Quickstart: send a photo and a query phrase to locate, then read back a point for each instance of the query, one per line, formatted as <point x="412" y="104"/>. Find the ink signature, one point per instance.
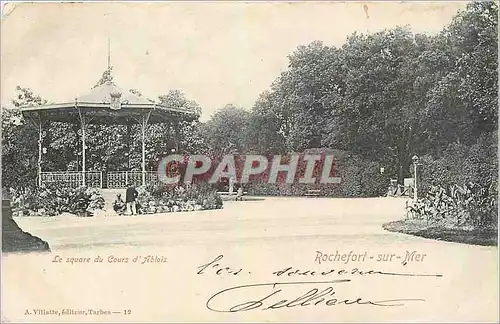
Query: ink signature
<point x="291" y="271"/>
<point x="322" y="293"/>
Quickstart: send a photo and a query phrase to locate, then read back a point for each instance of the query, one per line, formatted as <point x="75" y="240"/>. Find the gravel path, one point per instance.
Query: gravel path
<point x="258" y="237"/>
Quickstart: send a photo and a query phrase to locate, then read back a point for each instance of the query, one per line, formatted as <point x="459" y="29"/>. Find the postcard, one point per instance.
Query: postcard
<point x="235" y="162"/>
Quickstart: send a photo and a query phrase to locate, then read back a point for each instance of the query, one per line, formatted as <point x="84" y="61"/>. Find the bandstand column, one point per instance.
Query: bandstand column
<point x="39" y="152"/>
<point x="83" y="125"/>
<point x="83" y="148"/>
<point x="143" y="129"/>
<point x="144" y="125"/>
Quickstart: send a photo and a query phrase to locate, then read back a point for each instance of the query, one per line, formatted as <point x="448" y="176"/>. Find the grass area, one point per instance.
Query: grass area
<point x="485" y="237"/>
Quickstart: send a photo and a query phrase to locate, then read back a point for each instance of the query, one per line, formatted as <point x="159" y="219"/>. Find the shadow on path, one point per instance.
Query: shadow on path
<point x="14" y="239"/>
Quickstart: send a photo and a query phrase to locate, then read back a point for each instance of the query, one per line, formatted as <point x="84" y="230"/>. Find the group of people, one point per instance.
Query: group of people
<point x="130" y="205"/>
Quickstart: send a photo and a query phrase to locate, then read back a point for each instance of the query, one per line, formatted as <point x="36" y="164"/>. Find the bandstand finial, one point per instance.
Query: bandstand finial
<point x="109" y="53"/>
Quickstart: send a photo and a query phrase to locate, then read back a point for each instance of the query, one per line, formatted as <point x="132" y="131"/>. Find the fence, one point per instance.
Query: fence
<point x="119" y="179"/>
<point x="72" y="178"/>
<point x="113" y="179"/>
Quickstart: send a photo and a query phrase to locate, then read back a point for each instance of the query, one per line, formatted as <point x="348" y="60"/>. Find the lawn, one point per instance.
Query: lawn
<point x="477" y="236"/>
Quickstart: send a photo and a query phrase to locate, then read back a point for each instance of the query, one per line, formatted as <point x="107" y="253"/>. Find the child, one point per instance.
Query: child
<point x="118" y="205"/>
<point x="239" y="195"/>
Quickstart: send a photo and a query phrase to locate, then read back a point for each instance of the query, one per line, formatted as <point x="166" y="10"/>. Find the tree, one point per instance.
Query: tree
<point x="300" y="99"/>
<point x="19" y="142"/>
<point x="464" y="102"/>
<point x="265" y="128"/>
<point x="388" y="95"/>
<point x="226" y="131"/>
<point x="377" y="109"/>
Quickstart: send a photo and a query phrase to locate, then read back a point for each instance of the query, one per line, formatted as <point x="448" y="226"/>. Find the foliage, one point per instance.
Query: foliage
<point x="460" y="187"/>
<point x="226" y="131"/>
<point x="359" y="178"/>
<point x="263" y="130"/>
<point x="380" y="98"/>
<point x="19" y="142"/>
<point x="55" y="199"/>
<point x="388" y="95"/>
<point x="461" y="164"/>
<point x="471" y="205"/>
<point x="162" y="198"/>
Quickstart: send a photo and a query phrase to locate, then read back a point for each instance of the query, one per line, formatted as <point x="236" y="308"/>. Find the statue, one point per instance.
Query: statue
<point x="231" y="184"/>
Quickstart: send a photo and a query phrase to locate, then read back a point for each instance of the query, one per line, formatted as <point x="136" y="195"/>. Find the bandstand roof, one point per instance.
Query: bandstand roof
<point x="107" y="104"/>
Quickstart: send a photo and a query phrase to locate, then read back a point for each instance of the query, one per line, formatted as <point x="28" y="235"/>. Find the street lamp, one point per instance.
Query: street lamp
<point x="415" y="163"/>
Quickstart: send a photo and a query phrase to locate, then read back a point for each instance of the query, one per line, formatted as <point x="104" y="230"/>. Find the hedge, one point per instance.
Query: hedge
<point x="460" y="165"/>
<point x="359" y="178"/>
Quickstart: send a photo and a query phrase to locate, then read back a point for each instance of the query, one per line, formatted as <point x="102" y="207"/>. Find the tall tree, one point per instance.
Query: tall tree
<point x="265" y="133"/>
<point x="19" y="142"/>
<point x="226" y="131"/>
<point x="464" y="102"/>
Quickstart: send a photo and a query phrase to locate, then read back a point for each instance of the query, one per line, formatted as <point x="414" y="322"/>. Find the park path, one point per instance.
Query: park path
<point x="109" y="195"/>
<point x="260" y="237"/>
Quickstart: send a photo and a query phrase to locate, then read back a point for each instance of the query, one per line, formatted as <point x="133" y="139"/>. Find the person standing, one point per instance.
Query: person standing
<point x="130" y="197"/>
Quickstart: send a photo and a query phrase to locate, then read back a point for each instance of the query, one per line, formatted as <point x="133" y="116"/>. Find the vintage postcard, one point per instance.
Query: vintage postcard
<point x="238" y="162"/>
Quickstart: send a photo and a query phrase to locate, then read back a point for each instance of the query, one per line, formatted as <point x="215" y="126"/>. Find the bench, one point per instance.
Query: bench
<point x="313" y="193"/>
<point x="225" y="195"/>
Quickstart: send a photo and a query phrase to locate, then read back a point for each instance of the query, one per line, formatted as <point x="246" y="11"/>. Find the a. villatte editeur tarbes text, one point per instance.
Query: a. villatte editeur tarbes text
<point x="74" y="312"/>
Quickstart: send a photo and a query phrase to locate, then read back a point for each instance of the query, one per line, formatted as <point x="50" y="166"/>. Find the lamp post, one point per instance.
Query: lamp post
<point x="415" y="163"/>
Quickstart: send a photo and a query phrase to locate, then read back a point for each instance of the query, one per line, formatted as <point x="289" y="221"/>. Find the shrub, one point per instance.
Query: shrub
<point x="55" y="199"/>
<point x="168" y="198"/>
<point x="359" y="178"/>
<point x="460" y="186"/>
<point x="472" y="205"/>
<point x="460" y="165"/>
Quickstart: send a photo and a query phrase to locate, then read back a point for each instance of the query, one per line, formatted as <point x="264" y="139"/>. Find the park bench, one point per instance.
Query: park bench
<point x="313" y="193"/>
<point x="227" y="194"/>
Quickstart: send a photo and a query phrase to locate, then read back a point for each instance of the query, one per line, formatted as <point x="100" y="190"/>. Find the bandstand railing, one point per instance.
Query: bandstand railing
<point x="73" y="179"/>
<point x="96" y="179"/>
<point x="93" y="179"/>
<point x="119" y="179"/>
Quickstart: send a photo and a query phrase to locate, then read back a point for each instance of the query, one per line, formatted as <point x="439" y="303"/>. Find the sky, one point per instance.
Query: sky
<point x="217" y="53"/>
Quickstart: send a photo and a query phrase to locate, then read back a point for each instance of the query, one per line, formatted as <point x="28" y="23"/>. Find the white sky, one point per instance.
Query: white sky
<point x="216" y="53"/>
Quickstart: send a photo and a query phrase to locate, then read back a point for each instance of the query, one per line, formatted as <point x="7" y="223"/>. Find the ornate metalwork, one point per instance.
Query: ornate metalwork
<point x="115" y="102"/>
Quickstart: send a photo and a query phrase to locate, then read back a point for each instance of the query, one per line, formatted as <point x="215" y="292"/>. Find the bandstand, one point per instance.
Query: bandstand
<point x="106" y="104"/>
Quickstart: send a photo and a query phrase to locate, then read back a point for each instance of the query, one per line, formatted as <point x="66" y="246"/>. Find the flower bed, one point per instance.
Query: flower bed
<point x="54" y="200"/>
<point x="164" y="199"/>
<point x="463" y="214"/>
<point x="470" y="206"/>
